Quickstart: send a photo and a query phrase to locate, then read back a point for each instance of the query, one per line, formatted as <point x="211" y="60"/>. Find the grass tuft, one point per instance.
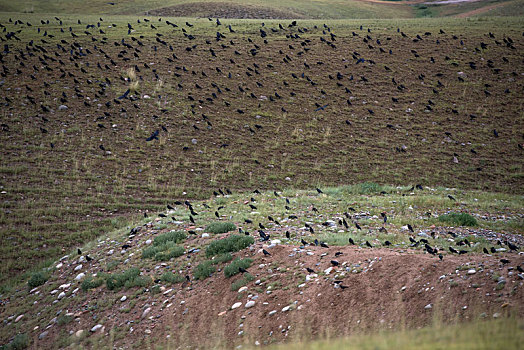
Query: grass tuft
<point x="37" y="279"/>
<point x="232" y="269"/>
<point x="458" y="219"/>
<point x="231" y="244"/>
<point x="221" y="227"/>
<point x="204" y="270"/>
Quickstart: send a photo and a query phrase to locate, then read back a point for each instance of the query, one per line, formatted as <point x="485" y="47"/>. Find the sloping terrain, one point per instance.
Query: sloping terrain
<point x="316" y="263"/>
<point x="105" y="118"/>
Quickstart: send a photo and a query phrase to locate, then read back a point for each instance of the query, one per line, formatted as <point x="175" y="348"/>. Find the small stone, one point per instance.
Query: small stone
<point x="61" y="295"/>
<point x="79" y="267"/>
<point x="59" y="265"/>
<point x="429" y="306"/>
<point x="146" y="311"/>
<point x="147" y="331"/>
<point x="328" y="270"/>
<point x="250" y="304"/>
<point x="271" y="313"/>
<point x="236" y="305"/>
<point x="148" y="242"/>
<point x="243" y="289"/>
<point x="79" y="333"/>
<point x="310" y="277"/>
<point x="124" y="298"/>
<point x="19" y="318"/>
<point x="205" y="235"/>
<point x="62" y="107"/>
<point x="43" y="335"/>
<point x="286" y="308"/>
<point x="222" y="313"/>
<point x="95" y="328"/>
<point x="472" y="271"/>
<point x="80" y="276"/>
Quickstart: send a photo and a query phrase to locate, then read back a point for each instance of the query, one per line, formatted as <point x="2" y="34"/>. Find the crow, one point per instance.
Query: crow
<point x="351" y="241"/>
<point x="453" y="250"/>
<point x="266" y="253"/>
<point x="335" y="263"/>
<point x="154" y="136"/>
<point x="369" y="244"/>
<point x="310" y="270"/>
<point x="303" y="242"/>
<point x="410" y="228"/>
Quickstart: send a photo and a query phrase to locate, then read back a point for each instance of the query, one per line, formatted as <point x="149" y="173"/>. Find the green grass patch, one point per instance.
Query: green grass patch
<point x="222" y="258"/>
<point x="458" y="219"/>
<point x="37" y="279"/>
<point x="231" y="244"/>
<point x="220" y="227"/>
<point x="91" y="283"/>
<point x="246" y="278"/>
<point x="171" y="236"/>
<point x="204" y="270"/>
<point x="172" y="278"/>
<point x="128" y="279"/>
<point x="163" y="252"/>
<point x="232" y="269"/>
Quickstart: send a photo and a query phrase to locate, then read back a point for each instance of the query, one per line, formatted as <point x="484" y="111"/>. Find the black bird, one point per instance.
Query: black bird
<point x="387" y="243"/>
<point x="512" y="246"/>
<point x="335" y="263"/>
<point x="324" y="245"/>
<point x="369" y="244"/>
<point x="351" y="241"/>
<point x="453" y="250"/>
<point x="88" y="258"/>
<point x="303" y="242"/>
<point x="504" y="261"/>
<point x="79" y="251"/>
<point x="451" y="197"/>
<point x="266" y="253"/>
<point x="242" y="270"/>
<point x="288" y="236"/>
<point x="520" y="269"/>
<point x="310" y="270"/>
<point x="410" y="228"/>
<point x="357" y="226"/>
<point x="492" y="250"/>
<point x="154" y="136"/>
<point x="319" y="190"/>
<point x="191" y="219"/>
<point x="440" y="256"/>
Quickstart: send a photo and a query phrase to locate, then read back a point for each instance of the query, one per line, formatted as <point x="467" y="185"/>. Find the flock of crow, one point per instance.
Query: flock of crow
<point x="307" y="230"/>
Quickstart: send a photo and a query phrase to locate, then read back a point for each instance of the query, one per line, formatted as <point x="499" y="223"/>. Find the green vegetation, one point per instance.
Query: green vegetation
<point x="204" y="270"/>
<point x="458" y="219"/>
<point x="20" y="342"/>
<point x="220" y="227"/>
<point x="91" y="282"/>
<point x="172" y="278"/>
<point x="163" y="252"/>
<point x="128" y="279"/>
<point x="232" y="269"/>
<point x="223" y="258"/>
<point x="246" y="278"/>
<point x="171" y="236"/>
<point x="37" y="279"/>
<point x="231" y="244"/>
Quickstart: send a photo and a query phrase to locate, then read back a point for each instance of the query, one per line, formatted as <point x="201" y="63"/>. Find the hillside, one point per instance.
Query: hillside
<point x="331" y="262"/>
<point x="267" y="9"/>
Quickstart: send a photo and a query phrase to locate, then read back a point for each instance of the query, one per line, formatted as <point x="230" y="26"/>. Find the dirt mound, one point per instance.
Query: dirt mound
<point x="223" y="10"/>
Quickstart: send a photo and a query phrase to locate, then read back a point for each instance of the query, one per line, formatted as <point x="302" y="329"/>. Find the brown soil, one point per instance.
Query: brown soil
<point x="481" y="10"/>
<point x="392" y="291"/>
<point x="223" y="10"/>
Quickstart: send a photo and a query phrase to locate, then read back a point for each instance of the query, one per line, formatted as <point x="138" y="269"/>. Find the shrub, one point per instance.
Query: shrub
<point x="20" y="341"/>
<point x="173" y="252"/>
<point x="232" y="269"/>
<point x="459" y="219"/>
<point x="149" y="252"/>
<point x="222" y="258"/>
<point x="91" y="283"/>
<point x="37" y="279"/>
<point x="230" y="244"/>
<point x="204" y="270"/>
<point x="63" y="320"/>
<point x="172" y="278"/>
<point x="220" y="227"/>
<point x="242" y="282"/>
<point x="171" y="236"/>
<point x="139" y="281"/>
<point x="118" y="280"/>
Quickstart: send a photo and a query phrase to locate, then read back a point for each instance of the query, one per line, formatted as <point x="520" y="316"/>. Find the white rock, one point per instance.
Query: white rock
<point x="61" y="295"/>
<point x="243" y="289"/>
<point x="80" y="276"/>
<point x="62" y="107"/>
<point x="249" y="304"/>
<point x="205" y="235"/>
<point x="124" y="298"/>
<point x="275" y="241"/>
<point x="79" y="333"/>
<point x="472" y="272"/>
<point x="19" y="318"/>
<point x="328" y="270"/>
<point x="59" y="265"/>
<point x="286" y="308"/>
<point x="95" y="328"/>
<point x="236" y="305"/>
<point x="146" y="311"/>
<point x="271" y="313"/>
<point x="429" y="306"/>
<point x="65" y="286"/>
<point x="148" y="242"/>
<point x="312" y="276"/>
<point x="79" y="267"/>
